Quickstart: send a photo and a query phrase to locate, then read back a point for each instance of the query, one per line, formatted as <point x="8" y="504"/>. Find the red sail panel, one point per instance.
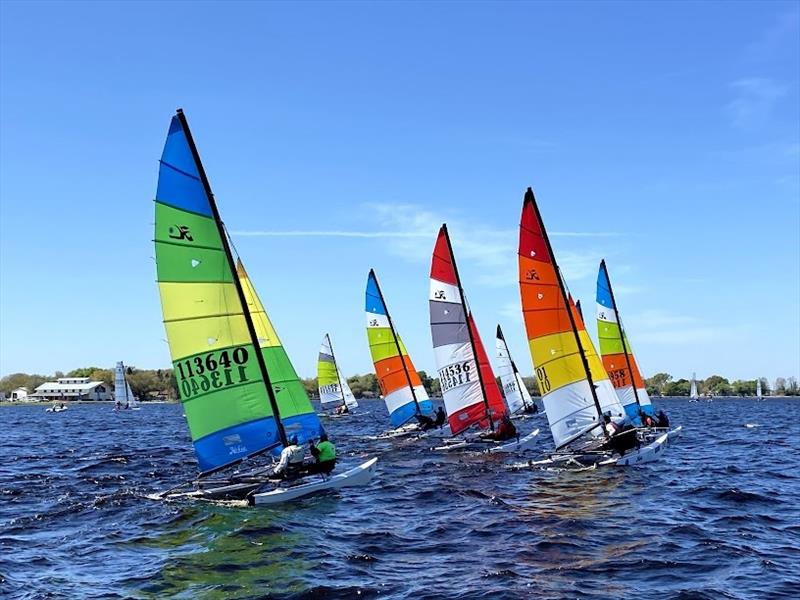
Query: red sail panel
<point x="497" y="408"/>
<point x="442" y="267"/>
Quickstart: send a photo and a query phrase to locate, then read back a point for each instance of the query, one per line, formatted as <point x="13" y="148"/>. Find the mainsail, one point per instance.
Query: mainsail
<point x="693" y="389"/>
<point x="333" y="388"/>
<point x="574" y="385"/>
<point x="758" y="388"/>
<point x="220" y="364"/>
<point x="401" y="387"/>
<point x="470" y="391"/>
<point x="517" y="395"/>
<point x="122" y="389"/>
<point x="616" y="351"/>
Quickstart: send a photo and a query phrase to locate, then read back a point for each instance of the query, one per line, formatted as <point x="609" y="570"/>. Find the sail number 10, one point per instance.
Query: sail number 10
<point x="200" y="374"/>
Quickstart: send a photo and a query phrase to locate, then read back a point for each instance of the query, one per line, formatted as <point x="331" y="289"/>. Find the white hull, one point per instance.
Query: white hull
<point x="55" y="410"/>
<point x="577" y="461"/>
<point x="360" y="475"/>
<point x="490" y="447"/>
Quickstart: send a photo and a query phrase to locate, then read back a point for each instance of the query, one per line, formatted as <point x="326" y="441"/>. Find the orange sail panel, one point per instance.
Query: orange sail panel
<point x="556" y="345"/>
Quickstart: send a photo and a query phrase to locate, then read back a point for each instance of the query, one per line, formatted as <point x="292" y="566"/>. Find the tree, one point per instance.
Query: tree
<point x="677" y="388"/>
<point x="791" y="387"/>
<point x="427" y="382"/>
<point x="362" y="385"/>
<point x="310" y="386"/>
<point x="780" y="386"/>
<point x="656" y="385"/>
<point x="532" y="384"/>
<point x="765" y="389"/>
<point x="717" y="385"/>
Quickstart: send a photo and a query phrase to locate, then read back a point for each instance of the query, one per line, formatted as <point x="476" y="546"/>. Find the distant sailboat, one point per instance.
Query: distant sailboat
<point x="759" y="395"/>
<point x="123" y="396"/>
<point x="693" y="395"/>
<point x="518" y="398"/>
<point x="333" y="388"/>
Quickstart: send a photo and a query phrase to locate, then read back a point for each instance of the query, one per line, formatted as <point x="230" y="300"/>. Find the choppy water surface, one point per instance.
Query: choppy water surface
<point x="718" y="517"/>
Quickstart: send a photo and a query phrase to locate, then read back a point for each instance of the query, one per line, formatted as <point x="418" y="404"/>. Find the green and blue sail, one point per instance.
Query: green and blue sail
<point x="221" y="382"/>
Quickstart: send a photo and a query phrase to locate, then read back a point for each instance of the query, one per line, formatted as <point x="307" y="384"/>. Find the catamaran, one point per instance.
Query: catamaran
<point x="576" y="391"/>
<point x="333" y="388"/>
<point x="618" y="359"/>
<point x="518" y="398"/>
<point x="401" y="387"/>
<point x="123" y="395"/>
<point x="693" y="395"/>
<point x="471" y="396"/>
<point x="240" y="393"/>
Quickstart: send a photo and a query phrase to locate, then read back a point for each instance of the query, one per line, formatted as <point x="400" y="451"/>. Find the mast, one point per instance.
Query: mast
<point x="237" y="284"/>
<point x="513" y="365"/>
<point x="336" y="367"/>
<point x="621" y="333"/>
<point x="396" y="341"/>
<point x="468" y="314"/>
<point x="530" y="197"/>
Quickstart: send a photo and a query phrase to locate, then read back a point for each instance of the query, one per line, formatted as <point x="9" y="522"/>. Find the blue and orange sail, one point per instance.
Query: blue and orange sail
<point x="400" y="384"/>
<point x="616" y="351"/>
<point x="239" y="391"/>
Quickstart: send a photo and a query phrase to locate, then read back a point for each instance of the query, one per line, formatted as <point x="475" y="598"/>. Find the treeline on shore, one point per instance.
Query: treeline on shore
<point x="161" y="384"/>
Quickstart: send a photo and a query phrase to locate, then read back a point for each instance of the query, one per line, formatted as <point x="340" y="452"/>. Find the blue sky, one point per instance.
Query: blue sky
<point x="661" y="136"/>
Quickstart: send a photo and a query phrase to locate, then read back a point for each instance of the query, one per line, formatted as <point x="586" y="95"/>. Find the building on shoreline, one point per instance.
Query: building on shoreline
<point x="71" y="388"/>
<point x="18" y="395"/>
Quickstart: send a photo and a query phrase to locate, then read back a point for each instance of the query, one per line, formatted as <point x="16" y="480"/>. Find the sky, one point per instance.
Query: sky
<point x="663" y="137"/>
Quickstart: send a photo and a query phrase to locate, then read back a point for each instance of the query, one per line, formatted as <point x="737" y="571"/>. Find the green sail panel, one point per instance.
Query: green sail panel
<point x="220" y="383"/>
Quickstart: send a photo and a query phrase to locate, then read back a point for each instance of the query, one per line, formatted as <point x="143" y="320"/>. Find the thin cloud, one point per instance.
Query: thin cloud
<point x="755" y="101"/>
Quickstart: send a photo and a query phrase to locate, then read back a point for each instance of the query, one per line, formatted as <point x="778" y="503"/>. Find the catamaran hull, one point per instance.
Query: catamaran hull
<point x="577" y="461"/>
<point x="516" y="445"/>
<point x="358" y="476"/>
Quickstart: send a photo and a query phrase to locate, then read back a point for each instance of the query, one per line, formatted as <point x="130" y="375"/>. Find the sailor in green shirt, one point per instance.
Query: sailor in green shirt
<point x="325" y="453"/>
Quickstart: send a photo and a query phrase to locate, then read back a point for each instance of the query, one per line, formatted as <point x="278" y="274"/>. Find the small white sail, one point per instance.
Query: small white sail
<point x="516" y="394"/>
<point x="758" y="389"/>
<point x="693" y="391"/>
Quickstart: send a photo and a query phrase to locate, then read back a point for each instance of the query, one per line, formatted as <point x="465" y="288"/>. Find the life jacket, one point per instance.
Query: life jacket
<point x="327" y="451"/>
<point x="296" y="454"/>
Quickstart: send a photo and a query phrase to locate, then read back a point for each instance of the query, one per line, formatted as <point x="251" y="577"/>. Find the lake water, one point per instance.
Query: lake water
<point x="718" y="517"/>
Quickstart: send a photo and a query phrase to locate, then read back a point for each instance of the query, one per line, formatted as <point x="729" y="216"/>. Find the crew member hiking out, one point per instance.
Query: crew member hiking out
<point x="290" y="464"/>
<point x="425" y="422"/>
<point x="505" y="431"/>
<point x="325" y="454"/>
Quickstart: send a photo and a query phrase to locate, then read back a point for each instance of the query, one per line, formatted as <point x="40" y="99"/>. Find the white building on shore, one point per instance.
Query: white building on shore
<point x="71" y="388"/>
<point x="21" y="393"/>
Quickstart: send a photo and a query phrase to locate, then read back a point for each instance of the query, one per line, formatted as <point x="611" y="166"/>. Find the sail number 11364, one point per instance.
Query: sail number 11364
<point x="215" y="370"/>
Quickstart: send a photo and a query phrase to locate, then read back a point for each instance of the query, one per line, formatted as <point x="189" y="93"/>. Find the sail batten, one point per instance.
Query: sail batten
<point x="400" y="384"/>
<point x="469" y="388"/>
<point x="573" y="382"/>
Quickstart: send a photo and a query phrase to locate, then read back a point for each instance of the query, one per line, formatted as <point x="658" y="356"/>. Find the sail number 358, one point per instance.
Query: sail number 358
<point x="214" y="370"/>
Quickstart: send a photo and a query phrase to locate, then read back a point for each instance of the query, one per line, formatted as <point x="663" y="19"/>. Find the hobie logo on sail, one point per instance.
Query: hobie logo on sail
<point x="439" y="295"/>
<point x="531" y="275"/>
<point x="180" y="232"/>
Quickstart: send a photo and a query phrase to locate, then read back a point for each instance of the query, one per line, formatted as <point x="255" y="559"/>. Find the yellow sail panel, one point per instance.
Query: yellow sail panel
<point x="193" y="300"/>
<point x="194" y="336"/>
<point x="267" y="336"/>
